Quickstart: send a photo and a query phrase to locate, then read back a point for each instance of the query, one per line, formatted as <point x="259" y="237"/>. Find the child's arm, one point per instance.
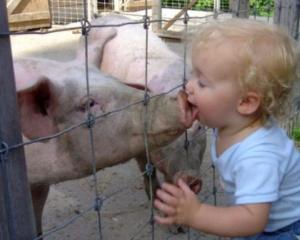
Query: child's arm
<point x="181" y="206"/>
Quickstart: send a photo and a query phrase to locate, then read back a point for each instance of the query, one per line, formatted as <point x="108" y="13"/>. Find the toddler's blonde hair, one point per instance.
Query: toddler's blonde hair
<point x="266" y="59"/>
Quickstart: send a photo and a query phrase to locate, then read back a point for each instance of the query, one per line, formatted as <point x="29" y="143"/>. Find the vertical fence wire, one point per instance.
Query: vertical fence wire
<point x="184" y="81"/>
<point x="149" y="166"/>
<point x="90" y="119"/>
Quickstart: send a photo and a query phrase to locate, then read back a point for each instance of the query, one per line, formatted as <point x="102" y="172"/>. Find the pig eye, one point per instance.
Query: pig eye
<point x="89" y="103"/>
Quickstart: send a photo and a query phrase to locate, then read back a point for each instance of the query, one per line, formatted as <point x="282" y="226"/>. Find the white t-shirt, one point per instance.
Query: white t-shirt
<point x="263" y="168"/>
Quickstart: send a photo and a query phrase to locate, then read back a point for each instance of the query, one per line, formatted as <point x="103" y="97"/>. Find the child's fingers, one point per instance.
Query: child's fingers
<point x="164" y="220"/>
<point x="183" y="186"/>
<point x="166" y="197"/>
<point x="171" y="189"/>
<point x="165" y="208"/>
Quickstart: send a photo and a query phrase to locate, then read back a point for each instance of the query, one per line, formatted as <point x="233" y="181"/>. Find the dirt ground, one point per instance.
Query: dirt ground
<point x="125" y="214"/>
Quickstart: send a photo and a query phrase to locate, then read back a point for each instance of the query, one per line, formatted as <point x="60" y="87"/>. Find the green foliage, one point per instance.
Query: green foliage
<point x="262" y="7"/>
<point x="204" y="5"/>
<point x="258" y="7"/>
<point x="296" y="134"/>
<point x="200" y="4"/>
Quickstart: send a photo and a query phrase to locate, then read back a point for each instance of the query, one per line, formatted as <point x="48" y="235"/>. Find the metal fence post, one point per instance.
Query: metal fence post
<point x="16" y="212"/>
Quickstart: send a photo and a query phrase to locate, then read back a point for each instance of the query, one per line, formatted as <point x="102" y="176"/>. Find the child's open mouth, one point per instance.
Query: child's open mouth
<point x="189" y="110"/>
<point x="194" y="109"/>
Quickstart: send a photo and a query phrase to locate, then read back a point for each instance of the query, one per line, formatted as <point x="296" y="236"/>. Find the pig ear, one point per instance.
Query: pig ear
<point x="25" y="75"/>
<point x="37" y="103"/>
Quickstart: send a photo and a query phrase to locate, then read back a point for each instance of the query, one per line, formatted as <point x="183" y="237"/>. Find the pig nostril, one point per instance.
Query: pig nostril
<point x="91" y="103"/>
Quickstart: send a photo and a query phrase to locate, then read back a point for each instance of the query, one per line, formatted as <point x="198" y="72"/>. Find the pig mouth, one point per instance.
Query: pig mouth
<point x="164" y="136"/>
<point x="173" y="132"/>
<point x="196" y="185"/>
<point x="192" y="106"/>
<point x="194" y="182"/>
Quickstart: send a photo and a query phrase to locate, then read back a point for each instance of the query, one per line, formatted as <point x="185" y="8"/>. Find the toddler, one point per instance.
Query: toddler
<point x="243" y="72"/>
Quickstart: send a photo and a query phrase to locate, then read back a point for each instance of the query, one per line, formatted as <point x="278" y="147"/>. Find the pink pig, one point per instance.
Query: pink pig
<point x="122" y="55"/>
<point x="52" y="97"/>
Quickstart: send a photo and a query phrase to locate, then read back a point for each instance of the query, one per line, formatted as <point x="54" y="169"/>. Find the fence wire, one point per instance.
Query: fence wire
<point x="90" y="121"/>
<point x="208" y="194"/>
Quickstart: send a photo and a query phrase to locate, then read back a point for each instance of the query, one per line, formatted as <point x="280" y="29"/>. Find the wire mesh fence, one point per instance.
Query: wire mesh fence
<point x="72" y="10"/>
<point x="144" y="229"/>
<point x="68" y="11"/>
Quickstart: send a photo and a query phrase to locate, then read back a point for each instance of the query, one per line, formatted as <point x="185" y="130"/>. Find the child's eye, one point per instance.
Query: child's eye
<point x="201" y="84"/>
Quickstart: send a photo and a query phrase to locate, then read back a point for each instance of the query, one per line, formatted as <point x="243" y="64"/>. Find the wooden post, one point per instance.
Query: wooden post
<point x="240" y="8"/>
<point x="231" y="5"/>
<point x="16" y="212"/>
<point x="179" y="14"/>
<point x="92" y="9"/>
<point x="156" y="15"/>
<point x="117" y="5"/>
<point x="217" y="7"/>
<point x="287" y="15"/>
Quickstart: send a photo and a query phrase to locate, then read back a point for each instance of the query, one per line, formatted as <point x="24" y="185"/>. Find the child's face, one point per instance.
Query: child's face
<point x="213" y="89"/>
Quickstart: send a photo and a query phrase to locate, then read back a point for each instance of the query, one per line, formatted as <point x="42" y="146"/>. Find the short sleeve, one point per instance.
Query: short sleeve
<point x="257" y="178"/>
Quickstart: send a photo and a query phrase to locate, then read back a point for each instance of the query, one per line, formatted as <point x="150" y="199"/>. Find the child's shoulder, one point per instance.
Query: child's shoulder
<point x="271" y="132"/>
<point x="269" y="138"/>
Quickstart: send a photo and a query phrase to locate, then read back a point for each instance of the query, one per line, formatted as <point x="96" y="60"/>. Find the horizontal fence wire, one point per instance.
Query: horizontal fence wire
<point x="205" y="170"/>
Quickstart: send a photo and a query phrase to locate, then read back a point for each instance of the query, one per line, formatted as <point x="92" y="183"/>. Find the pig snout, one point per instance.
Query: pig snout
<point x="186" y="109"/>
<point x="195" y="183"/>
<point x="165" y="119"/>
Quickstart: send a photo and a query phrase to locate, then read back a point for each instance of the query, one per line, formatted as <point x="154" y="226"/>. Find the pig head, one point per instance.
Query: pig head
<point x="53" y="99"/>
<point x="121" y="52"/>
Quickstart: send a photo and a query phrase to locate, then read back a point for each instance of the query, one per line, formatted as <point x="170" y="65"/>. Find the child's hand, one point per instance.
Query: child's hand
<point x="178" y="203"/>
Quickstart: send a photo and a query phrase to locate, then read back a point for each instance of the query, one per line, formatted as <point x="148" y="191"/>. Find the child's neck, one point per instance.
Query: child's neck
<point x="231" y="135"/>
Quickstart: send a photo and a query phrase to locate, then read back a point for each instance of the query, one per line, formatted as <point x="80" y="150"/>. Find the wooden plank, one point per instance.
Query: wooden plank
<point x="32" y="6"/>
<point x="178" y="15"/>
<point x="23" y="17"/>
<point x="117" y="5"/>
<point x="240" y="8"/>
<point x="27" y="21"/>
<point x="156" y="15"/>
<point x="16" y="211"/>
<point x="28" y="25"/>
<point x="30" y="14"/>
<point x="134" y="5"/>
<point x="11" y="6"/>
<point x="170" y="34"/>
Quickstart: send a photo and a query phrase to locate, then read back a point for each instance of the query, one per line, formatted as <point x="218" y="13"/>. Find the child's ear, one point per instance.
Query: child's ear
<point x="249" y="103"/>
